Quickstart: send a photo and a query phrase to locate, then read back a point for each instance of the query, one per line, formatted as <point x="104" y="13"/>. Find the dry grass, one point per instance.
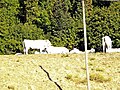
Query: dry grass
<point x="55" y="72"/>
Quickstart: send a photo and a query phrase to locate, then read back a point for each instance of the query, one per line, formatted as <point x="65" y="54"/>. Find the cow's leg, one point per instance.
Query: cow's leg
<point x="40" y="50"/>
<point x="104" y="47"/>
<point x="109" y="47"/>
<point x="103" y="43"/>
<point x="26" y="50"/>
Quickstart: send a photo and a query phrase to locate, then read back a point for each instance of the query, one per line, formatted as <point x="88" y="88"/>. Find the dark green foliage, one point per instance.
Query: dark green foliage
<point x="12" y="32"/>
<point x="104" y="21"/>
<point x="101" y="3"/>
<point x="8" y="21"/>
<point x="62" y="25"/>
<point x="60" y="21"/>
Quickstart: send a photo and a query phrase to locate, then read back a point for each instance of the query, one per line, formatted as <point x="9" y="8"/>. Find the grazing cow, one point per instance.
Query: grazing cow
<point x="92" y="50"/>
<point x="57" y="50"/>
<point x="75" y="51"/>
<point x="114" y="50"/>
<point x="107" y="43"/>
<point x="35" y="44"/>
<point x="18" y="54"/>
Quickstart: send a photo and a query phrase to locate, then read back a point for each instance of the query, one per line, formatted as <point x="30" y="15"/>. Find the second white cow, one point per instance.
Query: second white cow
<point x="57" y="50"/>
<point x="107" y="43"/>
<point x="75" y="51"/>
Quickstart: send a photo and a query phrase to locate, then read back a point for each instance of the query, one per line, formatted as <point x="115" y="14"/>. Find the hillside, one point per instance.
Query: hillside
<point x="59" y="72"/>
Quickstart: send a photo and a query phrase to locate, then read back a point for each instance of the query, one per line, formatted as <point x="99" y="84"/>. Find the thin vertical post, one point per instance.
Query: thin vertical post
<point x="85" y="41"/>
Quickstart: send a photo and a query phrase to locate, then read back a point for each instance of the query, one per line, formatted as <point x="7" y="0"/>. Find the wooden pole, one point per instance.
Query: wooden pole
<point x="85" y="41"/>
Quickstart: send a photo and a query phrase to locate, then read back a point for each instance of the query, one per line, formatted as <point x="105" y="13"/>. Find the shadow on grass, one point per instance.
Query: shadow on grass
<point x="50" y="77"/>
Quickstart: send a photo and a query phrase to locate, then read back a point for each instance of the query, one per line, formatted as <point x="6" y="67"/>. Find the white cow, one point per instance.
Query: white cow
<point x="107" y="43"/>
<point x="92" y="50"/>
<point x="75" y="51"/>
<point x="35" y="44"/>
<point x="57" y="50"/>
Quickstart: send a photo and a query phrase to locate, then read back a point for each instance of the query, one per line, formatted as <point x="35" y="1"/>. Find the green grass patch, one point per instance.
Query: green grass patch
<point x="97" y="77"/>
<point x="65" y="55"/>
<point x="93" y="58"/>
<point x="100" y="69"/>
<point x="76" y="79"/>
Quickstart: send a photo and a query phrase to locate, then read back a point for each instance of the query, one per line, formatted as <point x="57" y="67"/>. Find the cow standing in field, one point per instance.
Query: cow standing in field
<point x="35" y="44"/>
<point x="107" y="43"/>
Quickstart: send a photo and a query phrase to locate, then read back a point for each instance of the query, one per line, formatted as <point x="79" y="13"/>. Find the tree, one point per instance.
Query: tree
<point x="8" y="20"/>
<point x="63" y="27"/>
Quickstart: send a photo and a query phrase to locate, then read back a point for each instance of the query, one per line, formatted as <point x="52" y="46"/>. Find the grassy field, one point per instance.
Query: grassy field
<point x="59" y="72"/>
